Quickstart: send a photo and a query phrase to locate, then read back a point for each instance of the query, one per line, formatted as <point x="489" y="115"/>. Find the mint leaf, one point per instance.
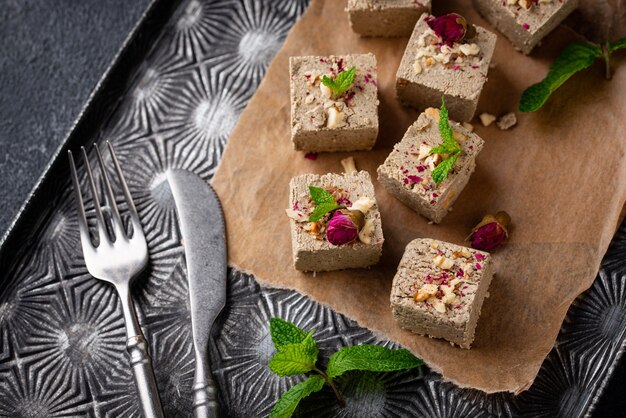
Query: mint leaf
<point x="297" y="358"/>
<point x="341" y="83"/>
<point x="320" y="195"/>
<point x="574" y="58"/>
<point x="440" y="172"/>
<point x="284" y="333"/>
<point x="619" y="44"/>
<point x="288" y="403"/>
<point x="449" y="146"/>
<point x="324" y="203"/>
<point x="321" y="210"/>
<point x="372" y="358"/>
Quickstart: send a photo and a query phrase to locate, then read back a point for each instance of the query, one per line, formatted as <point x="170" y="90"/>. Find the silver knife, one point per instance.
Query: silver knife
<point x="204" y="240"/>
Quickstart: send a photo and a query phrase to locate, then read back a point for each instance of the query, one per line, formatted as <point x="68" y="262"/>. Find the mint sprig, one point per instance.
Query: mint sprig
<point x="324" y="203"/>
<point x="296" y="352"/>
<point x="341" y="83"/>
<point x="288" y="403"/>
<point x="296" y="358"/>
<point x="373" y="358"/>
<point x="449" y="147"/>
<point x="574" y="58"/>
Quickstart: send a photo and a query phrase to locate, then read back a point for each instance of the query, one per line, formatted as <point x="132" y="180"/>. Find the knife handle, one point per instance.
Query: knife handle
<point x="205" y="399"/>
<point x="141" y="365"/>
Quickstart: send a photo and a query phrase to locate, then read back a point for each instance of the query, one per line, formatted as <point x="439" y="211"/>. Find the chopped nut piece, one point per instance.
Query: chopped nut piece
<point x="296" y="215"/>
<point x="313" y="228"/>
<point x="309" y="99"/>
<point x="417" y="67"/>
<point x="487" y="119"/>
<point x="433" y="160"/>
<point x="336" y="118"/>
<point x="507" y="121"/>
<point x="526" y="4"/>
<point x="468" y="126"/>
<point x="450" y="299"/>
<point x="443" y="262"/>
<point x="424" y="152"/>
<point x="434" y="245"/>
<point x="326" y="92"/>
<point x="425" y="292"/>
<point x="437" y="304"/>
<point x="432" y="113"/>
<point x="365" y="234"/>
<point x="429" y="62"/>
<point x="348" y="164"/>
<point x="469" y="49"/>
<point x="459" y="136"/>
<point x="468" y="269"/>
<point x="363" y="204"/>
<point x="455" y="282"/>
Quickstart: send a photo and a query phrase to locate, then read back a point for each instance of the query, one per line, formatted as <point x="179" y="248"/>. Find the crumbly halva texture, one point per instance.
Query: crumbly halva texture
<point x="525" y="22"/>
<point x="431" y="69"/>
<point x="507" y="121"/>
<point x="385" y="18"/>
<point x="313" y="253"/>
<point x="439" y="290"/>
<point x="406" y="173"/>
<point x="322" y="123"/>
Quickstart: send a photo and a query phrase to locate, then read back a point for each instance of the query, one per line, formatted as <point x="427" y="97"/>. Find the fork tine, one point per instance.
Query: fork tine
<point x="118" y="226"/>
<point x="82" y="217"/>
<point x="102" y="231"/>
<point x="137" y="229"/>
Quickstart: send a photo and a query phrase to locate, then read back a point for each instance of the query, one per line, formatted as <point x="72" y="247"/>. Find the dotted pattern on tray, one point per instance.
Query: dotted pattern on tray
<point x="62" y="348"/>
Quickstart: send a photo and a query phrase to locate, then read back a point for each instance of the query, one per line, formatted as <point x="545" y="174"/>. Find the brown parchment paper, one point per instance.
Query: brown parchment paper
<point x="561" y="175"/>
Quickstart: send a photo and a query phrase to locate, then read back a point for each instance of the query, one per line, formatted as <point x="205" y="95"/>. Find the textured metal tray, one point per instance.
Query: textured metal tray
<point x="170" y="99"/>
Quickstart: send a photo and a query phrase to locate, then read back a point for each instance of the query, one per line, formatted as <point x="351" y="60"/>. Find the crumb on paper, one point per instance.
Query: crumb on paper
<point x="348" y="164"/>
<point x="486" y="119"/>
<point x="506" y="121"/>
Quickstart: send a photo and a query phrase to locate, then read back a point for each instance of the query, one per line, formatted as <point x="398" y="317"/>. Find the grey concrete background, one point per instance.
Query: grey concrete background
<point x="52" y="54"/>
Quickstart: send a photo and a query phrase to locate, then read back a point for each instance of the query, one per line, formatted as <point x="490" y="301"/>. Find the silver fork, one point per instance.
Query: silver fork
<point x="118" y="259"/>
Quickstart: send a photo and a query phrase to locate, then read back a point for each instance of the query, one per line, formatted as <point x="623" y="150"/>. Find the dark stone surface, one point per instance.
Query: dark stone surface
<point x="52" y="54"/>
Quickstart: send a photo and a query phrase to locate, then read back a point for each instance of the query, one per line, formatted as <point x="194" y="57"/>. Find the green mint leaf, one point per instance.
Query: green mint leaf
<point x="284" y="332"/>
<point x="288" y="403"/>
<point x="324" y="203"/>
<point x="449" y="145"/>
<point x="619" y="44"/>
<point x="297" y="358"/>
<point x="320" y="195"/>
<point x="341" y="83"/>
<point x="440" y="172"/>
<point x="574" y="58"/>
<point x="321" y="210"/>
<point x="372" y="358"/>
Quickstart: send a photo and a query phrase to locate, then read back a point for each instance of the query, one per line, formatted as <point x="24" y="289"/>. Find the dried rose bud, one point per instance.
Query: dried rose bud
<point x="490" y="232"/>
<point x="344" y="226"/>
<point x="450" y="28"/>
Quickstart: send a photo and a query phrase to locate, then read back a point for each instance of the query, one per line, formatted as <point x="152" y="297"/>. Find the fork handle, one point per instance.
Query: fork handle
<point x="205" y="400"/>
<point x="143" y="373"/>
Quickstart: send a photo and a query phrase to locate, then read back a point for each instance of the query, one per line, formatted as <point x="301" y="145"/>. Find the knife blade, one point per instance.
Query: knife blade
<point x="204" y="239"/>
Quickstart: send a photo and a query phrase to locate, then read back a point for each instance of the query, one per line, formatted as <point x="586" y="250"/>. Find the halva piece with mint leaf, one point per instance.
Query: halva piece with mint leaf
<point x="439" y="290"/>
<point x="417" y="175"/>
<point x="525" y="22"/>
<point x="335" y="222"/>
<point x="334" y="102"/>
<point x="445" y="56"/>
<point x="385" y="18"/>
